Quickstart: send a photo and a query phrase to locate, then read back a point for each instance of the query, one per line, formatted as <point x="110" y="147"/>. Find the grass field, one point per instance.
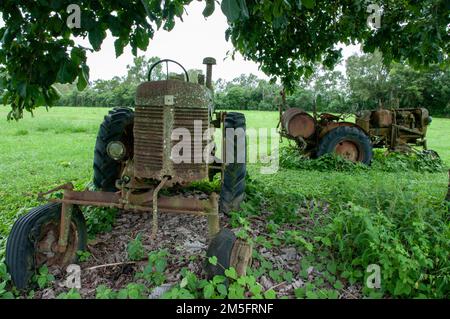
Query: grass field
<point x="55" y="147"/>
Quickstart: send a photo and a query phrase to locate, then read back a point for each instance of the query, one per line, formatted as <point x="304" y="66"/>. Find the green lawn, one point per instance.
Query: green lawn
<point x="439" y="138"/>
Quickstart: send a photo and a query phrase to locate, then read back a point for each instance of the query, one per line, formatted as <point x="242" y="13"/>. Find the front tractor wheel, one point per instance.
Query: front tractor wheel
<point x="349" y="142"/>
<point x="33" y="242"/>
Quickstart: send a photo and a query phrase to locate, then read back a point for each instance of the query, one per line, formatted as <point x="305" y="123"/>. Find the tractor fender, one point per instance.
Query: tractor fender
<point x="331" y="126"/>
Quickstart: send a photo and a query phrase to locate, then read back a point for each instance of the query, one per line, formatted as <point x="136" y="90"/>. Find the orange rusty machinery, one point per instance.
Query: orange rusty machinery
<point x="298" y="124"/>
<point x="397" y="130"/>
<point x="326" y="133"/>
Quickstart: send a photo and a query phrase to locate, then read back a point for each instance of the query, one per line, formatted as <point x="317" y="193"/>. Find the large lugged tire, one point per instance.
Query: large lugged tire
<point x="32" y="242"/>
<point x="233" y="185"/>
<point x="117" y="126"/>
<point x="349" y="142"/>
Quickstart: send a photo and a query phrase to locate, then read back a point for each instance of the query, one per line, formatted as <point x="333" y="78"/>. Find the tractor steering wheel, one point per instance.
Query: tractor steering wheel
<point x="167" y="69"/>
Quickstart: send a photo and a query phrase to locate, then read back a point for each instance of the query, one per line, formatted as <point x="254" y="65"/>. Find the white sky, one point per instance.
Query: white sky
<point x="188" y="43"/>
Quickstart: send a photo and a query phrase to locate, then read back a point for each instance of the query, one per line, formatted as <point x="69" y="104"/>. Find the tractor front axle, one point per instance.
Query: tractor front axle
<point x="143" y="202"/>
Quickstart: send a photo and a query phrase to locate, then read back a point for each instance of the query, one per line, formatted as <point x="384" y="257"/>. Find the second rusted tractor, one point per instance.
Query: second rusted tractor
<point x="317" y="135"/>
<point x="166" y="142"/>
<point x="396" y="129"/>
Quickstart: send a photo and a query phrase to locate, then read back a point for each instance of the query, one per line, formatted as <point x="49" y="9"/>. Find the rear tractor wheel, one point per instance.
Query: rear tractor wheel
<point x="233" y="185"/>
<point x="115" y="137"/>
<point x="33" y="242"/>
<point x="349" y="142"/>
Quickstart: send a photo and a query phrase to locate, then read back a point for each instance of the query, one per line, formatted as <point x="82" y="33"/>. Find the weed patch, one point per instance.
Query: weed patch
<point x="291" y="158"/>
<point x="403" y="232"/>
<point x="99" y="219"/>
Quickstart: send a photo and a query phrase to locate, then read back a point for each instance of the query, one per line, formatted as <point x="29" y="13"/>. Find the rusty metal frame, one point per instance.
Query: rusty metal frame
<point x="64" y="227"/>
<point x="394" y="136"/>
<point x="142" y="202"/>
<point x="155" y="206"/>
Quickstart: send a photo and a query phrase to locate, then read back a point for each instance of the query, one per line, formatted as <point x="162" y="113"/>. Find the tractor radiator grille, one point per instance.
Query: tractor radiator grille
<point x="148" y="139"/>
<point x="153" y="127"/>
<point x="186" y="118"/>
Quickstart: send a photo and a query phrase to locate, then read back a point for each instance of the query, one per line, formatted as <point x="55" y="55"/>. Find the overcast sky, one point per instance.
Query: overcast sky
<point x="188" y="43"/>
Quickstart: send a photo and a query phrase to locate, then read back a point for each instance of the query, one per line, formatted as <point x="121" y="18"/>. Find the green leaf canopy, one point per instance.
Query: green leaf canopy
<point x="287" y="38"/>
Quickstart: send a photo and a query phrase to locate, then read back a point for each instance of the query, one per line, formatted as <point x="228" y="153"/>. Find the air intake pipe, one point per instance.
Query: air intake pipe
<point x="209" y="64"/>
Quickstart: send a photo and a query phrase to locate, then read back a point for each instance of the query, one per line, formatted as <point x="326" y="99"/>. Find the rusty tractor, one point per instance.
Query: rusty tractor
<point x="133" y="162"/>
<point x="319" y="134"/>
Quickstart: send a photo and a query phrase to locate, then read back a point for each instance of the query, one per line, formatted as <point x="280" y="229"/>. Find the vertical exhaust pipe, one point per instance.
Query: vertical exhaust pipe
<point x="209" y="64"/>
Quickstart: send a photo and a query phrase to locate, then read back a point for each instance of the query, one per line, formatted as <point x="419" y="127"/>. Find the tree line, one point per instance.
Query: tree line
<point x="366" y="84"/>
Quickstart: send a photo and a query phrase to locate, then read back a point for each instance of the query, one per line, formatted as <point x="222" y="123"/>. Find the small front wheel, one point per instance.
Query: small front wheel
<point x="33" y="242"/>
